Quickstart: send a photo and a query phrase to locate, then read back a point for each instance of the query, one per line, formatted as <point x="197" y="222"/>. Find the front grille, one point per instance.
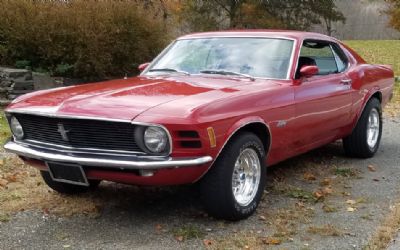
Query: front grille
<point x="81" y="133"/>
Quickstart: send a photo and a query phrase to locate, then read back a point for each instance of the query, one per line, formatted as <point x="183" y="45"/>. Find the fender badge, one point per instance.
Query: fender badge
<point x="281" y="124"/>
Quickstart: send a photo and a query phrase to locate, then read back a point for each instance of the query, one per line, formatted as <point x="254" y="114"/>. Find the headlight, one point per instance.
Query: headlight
<point x="155" y="139"/>
<point x="16" y="128"/>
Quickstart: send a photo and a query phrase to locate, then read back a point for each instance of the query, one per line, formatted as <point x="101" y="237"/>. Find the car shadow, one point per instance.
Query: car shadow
<point x="184" y="201"/>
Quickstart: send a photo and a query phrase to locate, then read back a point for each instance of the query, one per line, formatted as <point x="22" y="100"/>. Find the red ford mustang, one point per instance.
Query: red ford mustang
<point x="213" y="108"/>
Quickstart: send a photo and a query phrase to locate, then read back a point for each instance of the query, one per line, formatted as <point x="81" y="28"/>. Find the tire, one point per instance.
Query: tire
<point x="358" y="144"/>
<point x="65" y="188"/>
<point x="216" y="187"/>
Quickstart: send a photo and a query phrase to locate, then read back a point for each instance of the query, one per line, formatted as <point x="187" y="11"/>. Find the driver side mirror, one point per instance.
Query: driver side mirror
<point x="308" y="70"/>
<point x="143" y="66"/>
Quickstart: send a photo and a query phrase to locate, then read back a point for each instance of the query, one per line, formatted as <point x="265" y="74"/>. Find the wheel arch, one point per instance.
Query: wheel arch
<point x="254" y="125"/>
<point x="376" y="93"/>
<point x="258" y="128"/>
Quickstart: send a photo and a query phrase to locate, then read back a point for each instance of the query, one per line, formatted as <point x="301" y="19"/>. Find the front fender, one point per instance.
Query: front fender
<point x="233" y="129"/>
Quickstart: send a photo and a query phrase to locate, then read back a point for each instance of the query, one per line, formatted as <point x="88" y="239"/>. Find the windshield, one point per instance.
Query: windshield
<point x="255" y="57"/>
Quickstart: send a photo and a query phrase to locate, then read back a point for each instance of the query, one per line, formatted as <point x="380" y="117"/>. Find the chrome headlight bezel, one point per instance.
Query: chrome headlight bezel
<point x="153" y="139"/>
<point x="16" y="128"/>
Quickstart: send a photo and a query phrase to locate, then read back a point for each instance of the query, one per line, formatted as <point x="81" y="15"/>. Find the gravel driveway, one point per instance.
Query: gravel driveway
<point x="320" y="200"/>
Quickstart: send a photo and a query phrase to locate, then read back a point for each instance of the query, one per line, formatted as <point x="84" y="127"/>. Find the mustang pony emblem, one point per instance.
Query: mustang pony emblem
<point x="63" y="132"/>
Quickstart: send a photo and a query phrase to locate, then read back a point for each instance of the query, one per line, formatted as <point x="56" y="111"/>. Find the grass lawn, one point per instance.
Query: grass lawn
<point x="378" y="52"/>
<point x="4" y="130"/>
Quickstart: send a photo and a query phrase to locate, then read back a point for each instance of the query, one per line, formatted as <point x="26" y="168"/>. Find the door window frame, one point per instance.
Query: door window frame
<point x="341" y="54"/>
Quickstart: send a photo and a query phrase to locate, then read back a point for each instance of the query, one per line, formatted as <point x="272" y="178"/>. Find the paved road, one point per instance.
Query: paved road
<point x="148" y="218"/>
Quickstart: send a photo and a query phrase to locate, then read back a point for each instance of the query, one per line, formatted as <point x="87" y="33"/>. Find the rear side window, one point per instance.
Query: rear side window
<point x="340" y="58"/>
<point x="329" y="58"/>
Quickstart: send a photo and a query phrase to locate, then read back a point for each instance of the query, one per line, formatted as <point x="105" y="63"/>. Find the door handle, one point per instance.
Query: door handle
<point x="346" y="81"/>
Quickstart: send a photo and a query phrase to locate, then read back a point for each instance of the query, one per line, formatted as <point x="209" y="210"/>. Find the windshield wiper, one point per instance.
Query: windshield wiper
<point x="226" y="72"/>
<point x="169" y="70"/>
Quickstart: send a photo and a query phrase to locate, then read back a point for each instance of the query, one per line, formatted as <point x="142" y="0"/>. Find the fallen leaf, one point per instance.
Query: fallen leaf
<point x="371" y="168"/>
<point x="207" y="242"/>
<point x="309" y="177"/>
<point x="318" y="194"/>
<point x="3" y="183"/>
<point x="327" y="190"/>
<point x="11" y="178"/>
<point x="326" y="182"/>
<point x="351" y="209"/>
<point x="271" y="241"/>
<point x="262" y="217"/>
<point x="179" y="238"/>
<point x="351" y="202"/>
<point x="159" y="227"/>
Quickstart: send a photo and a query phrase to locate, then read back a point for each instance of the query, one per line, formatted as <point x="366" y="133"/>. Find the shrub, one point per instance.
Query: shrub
<point x="79" y="38"/>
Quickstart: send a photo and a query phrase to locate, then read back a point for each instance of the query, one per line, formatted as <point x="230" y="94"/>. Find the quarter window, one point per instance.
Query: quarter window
<point x="340" y="58"/>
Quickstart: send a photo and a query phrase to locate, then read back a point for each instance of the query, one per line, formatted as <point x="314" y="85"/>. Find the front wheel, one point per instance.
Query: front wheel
<point x="365" y="139"/>
<point x="233" y="187"/>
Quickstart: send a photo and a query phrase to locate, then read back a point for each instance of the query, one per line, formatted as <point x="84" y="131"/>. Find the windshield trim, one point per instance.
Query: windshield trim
<point x="289" y="71"/>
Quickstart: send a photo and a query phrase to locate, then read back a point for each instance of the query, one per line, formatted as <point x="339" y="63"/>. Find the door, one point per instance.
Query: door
<point x="322" y="102"/>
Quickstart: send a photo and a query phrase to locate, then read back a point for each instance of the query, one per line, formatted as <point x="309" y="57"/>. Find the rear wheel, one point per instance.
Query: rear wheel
<point x="233" y="187"/>
<point x="66" y="188"/>
<point x="365" y="139"/>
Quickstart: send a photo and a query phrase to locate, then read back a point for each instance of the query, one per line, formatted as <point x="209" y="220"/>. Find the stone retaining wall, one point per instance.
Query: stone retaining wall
<point x="14" y="82"/>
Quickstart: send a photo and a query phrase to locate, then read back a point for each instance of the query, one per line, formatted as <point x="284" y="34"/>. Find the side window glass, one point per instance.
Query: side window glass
<point x="341" y="59"/>
<point x="319" y="54"/>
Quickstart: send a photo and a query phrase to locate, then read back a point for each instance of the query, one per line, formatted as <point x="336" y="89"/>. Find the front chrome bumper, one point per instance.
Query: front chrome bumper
<point x="106" y="161"/>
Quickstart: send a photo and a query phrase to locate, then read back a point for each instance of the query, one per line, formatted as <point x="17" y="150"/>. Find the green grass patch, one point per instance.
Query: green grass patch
<point x="345" y="172"/>
<point x="4" y="217"/>
<point x="4" y="129"/>
<point x="378" y="52"/>
<point x="188" y="232"/>
<point x="301" y="194"/>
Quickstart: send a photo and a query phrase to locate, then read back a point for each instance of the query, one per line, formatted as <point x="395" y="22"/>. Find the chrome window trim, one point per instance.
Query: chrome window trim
<point x="64" y="116"/>
<point x="290" y="68"/>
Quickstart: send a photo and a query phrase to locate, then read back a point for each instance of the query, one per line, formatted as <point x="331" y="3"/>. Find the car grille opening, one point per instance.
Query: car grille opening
<point x="79" y="133"/>
<point x="190" y="144"/>
<point x="188" y="139"/>
<point x="188" y="134"/>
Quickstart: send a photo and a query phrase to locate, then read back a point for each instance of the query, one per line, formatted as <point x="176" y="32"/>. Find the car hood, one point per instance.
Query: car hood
<point x="122" y="99"/>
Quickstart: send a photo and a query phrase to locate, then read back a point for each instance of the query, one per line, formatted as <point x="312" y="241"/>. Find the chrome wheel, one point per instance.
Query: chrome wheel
<point x="373" y="128"/>
<point x="246" y="177"/>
